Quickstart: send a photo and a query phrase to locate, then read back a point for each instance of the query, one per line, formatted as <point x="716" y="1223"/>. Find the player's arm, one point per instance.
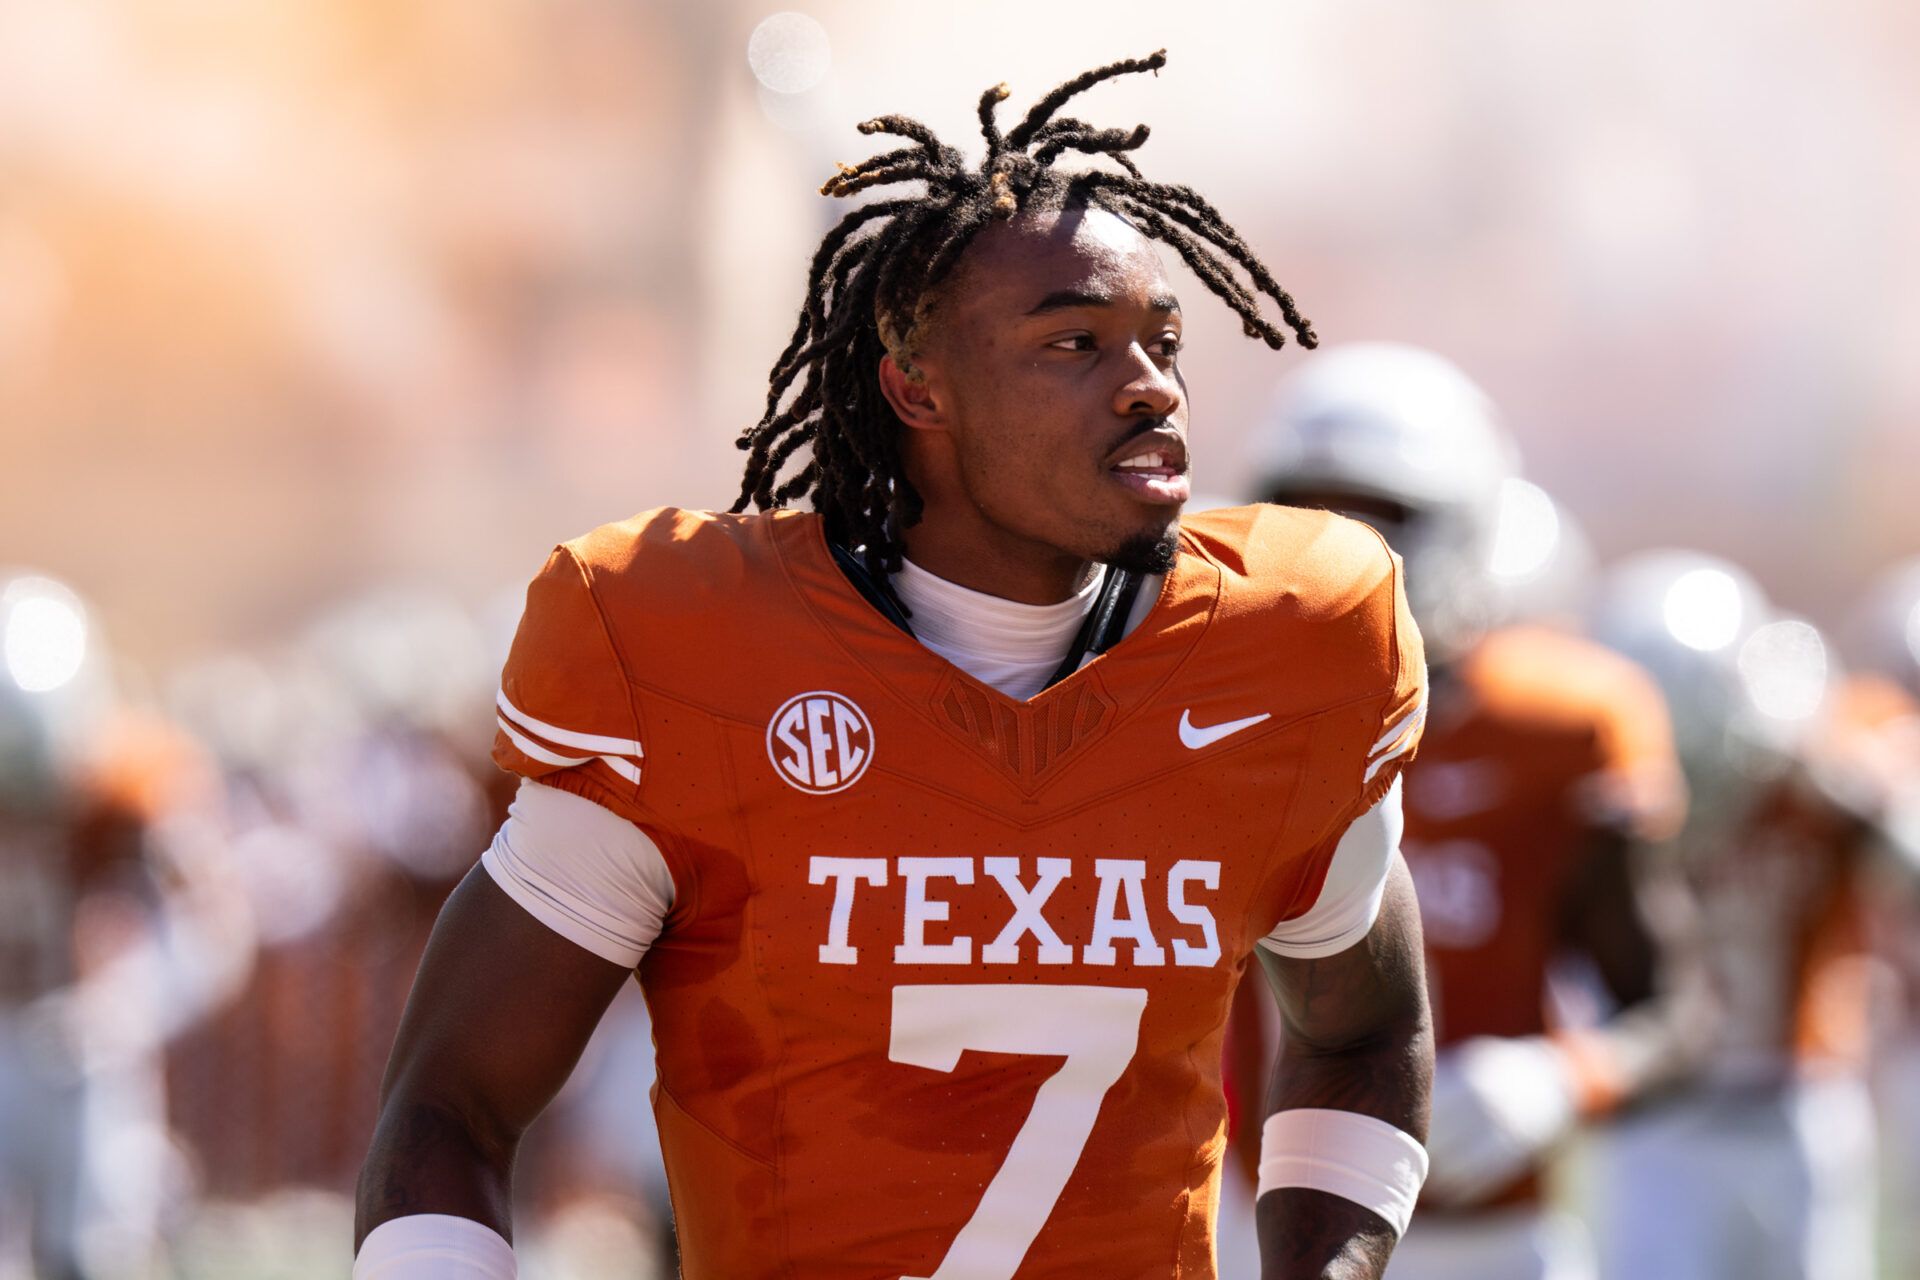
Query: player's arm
<point x="1630" y="914"/>
<point x="1352" y="1079"/>
<point x="1628" y="911"/>
<point x="500" y="1011"/>
<point x="528" y="952"/>
<point x="525" y="958"/>
<point x="1501" y="1102"/>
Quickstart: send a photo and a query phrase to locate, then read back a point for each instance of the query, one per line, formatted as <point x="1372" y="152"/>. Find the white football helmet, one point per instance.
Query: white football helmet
<point x="1402" y="439"/>
<point x="1542" y="564"/>
<point x="1745" y="684"/>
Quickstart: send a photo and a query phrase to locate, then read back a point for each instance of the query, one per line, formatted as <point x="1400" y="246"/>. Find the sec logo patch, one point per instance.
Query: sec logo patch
<point x="819" y="742"/>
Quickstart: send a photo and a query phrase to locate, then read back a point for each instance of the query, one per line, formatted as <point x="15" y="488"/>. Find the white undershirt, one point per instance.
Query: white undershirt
<point x="1010" y="646"/>
<point x="599" y="881"/>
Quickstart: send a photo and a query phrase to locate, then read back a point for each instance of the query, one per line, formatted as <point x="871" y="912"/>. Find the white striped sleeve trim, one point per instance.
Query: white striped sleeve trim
<point x="597" y="746"/>
<point x="1398" y="740"/>
<point x="1411" y="718"/>
<point x="533" y="750"/>
<point x="596" y="743"/>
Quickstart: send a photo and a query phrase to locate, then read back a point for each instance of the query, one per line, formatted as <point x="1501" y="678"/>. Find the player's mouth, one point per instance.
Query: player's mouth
<point x="1153" y="467"/>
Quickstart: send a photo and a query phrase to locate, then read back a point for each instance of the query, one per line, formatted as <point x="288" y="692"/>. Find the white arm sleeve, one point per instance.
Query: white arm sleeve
<point x="1349" y="901"/>
<point x="583" y="871"/>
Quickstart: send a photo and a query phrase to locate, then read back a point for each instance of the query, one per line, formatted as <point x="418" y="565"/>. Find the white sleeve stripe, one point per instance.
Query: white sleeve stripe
<point x="533" y="750"/>
<point x="597" y="743"/>
<point x="1382" y="761"/>
<point x="1413" y="717"/>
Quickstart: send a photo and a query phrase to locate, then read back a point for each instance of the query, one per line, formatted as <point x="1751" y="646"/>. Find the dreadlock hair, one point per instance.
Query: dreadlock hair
<point x="875" y="276"/>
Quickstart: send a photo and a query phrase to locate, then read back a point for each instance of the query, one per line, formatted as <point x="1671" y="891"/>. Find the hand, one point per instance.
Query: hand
<point x="1498" y="1104"/>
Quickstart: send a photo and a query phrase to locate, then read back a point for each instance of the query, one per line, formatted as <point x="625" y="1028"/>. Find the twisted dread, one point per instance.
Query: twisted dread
<point x="870" y="287"/>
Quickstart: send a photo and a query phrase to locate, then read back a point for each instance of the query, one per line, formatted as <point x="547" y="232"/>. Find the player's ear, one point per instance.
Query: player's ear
<point x="910" y="395"/>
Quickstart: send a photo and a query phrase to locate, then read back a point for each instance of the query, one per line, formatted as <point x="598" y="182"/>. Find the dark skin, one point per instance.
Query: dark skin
<point x="1049" y="360"/>
<point x="1358" y="1038"/>
<point x="1051" y="357"/>
<point x="1666" y="1021"/>
<point x="501" y="1009"/>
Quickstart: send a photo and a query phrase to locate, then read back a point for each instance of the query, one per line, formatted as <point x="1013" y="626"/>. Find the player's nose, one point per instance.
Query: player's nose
<point x="1148" y="388"/>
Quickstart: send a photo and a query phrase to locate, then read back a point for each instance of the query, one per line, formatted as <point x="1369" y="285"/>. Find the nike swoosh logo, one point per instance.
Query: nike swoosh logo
<point x="1194" y="738"/>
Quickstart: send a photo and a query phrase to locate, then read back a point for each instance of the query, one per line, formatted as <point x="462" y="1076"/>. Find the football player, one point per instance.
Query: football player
<point x="119" y="927"/>
<point x="1763" y="1166"/>
<point x="1547" y="765"/>
<point x="940" y="821"/>
<point x="1886" y="643"/>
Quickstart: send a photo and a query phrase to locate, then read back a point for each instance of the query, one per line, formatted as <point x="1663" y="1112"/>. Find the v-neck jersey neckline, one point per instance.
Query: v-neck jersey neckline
<point x="800" y="546"/>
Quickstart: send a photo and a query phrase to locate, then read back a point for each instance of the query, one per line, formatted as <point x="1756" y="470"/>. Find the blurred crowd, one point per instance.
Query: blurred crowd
<point x="320" y="321"/>
<point x="213" y="897"/>
<point x="1665" y="832"/>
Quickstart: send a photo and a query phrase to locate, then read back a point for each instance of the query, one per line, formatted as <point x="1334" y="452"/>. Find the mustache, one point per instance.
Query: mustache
<point x="1134" y="430"/>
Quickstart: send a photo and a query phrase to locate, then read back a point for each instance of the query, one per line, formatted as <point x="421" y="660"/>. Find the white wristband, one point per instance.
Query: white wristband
<point x="1345" y="1154"/>
<point x="433" y="1246"/>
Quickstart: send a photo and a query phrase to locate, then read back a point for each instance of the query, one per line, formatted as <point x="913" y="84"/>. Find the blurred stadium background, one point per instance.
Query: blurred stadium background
<point x="321" y="322"/>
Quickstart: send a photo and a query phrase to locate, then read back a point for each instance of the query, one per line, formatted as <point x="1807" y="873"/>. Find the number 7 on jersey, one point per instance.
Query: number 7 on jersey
<point x="1097" y="1029"/>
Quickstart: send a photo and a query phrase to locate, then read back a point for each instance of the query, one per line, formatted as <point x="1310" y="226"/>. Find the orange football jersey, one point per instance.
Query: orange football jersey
<point x="1534" y="740"/>
<point x="1783" y="904"/>
<point x="942" y="990"/>
<point x="1870" y="755"/>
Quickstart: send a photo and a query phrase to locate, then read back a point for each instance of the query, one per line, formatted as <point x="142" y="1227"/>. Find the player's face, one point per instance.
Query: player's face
<point x="1053" y="354"/>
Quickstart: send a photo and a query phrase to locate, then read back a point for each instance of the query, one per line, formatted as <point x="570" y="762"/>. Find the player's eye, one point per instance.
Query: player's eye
<point x="1167" y="346"/>
<point x="1074" y="342"/>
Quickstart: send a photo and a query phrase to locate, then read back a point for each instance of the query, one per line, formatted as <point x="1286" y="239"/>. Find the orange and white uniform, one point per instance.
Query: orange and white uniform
<point x="940" y="976"/>
<point x="1540" y="739"/>
<point x="1535" y="739"/>
<point x="1766" y="1167"/>
<point x="1880" y="763"/>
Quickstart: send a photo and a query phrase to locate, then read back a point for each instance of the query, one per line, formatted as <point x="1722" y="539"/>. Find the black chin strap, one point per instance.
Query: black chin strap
<point x="1105" y="623"/>
<point x="877" y="594"/>
<point x="1102" y="628"/>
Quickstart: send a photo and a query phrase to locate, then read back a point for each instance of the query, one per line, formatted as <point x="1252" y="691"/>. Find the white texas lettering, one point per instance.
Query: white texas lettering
<point x="843" y="873"/>
<point x="1185" y="872"/>
<point x="1120" y="876"/>
<point x="1028" y="911"/>
<point x="1119" y="915"/>
<point x="914" y="947"/>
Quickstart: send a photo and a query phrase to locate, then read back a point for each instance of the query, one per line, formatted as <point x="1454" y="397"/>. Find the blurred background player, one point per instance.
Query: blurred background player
<point x="1547" y="765"/>
<point x="357" y="782"/>
<point x="119" y="927"/>
<point x="1884" y="638"/>
<point x="1763" y="1166"/>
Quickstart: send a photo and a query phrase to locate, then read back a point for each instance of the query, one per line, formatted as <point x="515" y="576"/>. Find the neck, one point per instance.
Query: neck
<point x="985" y="558"/>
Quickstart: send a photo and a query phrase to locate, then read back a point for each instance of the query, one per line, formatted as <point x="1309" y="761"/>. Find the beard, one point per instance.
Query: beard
<point x="1148" y="552"/>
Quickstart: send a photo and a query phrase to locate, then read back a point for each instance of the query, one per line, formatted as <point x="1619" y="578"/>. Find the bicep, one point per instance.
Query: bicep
<point x="1373" y="989"/>
<point x="501" y="1009"/>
